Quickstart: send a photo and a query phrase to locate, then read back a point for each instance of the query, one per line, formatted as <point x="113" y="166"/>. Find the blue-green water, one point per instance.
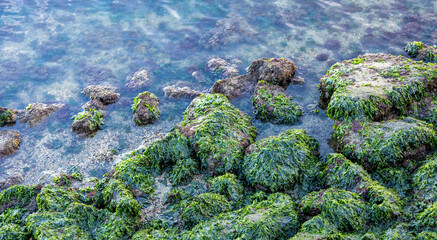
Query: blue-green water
<point x="50" y="50"/>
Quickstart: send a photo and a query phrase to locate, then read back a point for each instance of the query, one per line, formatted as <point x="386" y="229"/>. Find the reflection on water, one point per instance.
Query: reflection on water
<point x="51" y="50"/>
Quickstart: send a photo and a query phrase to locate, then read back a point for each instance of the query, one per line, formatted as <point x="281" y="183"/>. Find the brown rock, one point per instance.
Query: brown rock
<point x="9" y="142"/>
<point x="277" y="71"/>
<point x="234" y="87"/>
<point x="105" y="94"/>
<point x="145" y="107"/>
<point x="37" y="112"/>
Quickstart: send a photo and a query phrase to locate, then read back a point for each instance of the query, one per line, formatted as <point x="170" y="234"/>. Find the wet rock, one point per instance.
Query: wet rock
<point x="297" y="80"/>
<point x="105" y="94"/>
<point x="270" y="104"/>
<point x="94" y="104"/>
<point x="7" y="116"/>
<point x="375" y="87"/>
<point x="284" y="162"/>
<point x="145" y="108"/>
<point x="276" y="71"/>
<point x="218" y="131"/>
<point x="422" y="51"/>
<point x="228" y="31"/>
<point x="138" y="79"/>
<point x="376" y="145"/>
<point x="87" y="122"/>
<point x="37" y="112"/>
<point x="9" y="142"/>
<point x="222" y="67"/>
<point x="233" y="87"/>
<point x="175" y="92"/>
<point x="11" y="181"/>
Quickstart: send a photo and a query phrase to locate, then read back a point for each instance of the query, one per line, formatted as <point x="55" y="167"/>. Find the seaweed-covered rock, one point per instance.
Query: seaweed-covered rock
<point x="37" y="112"/>
<point x="274" y="218"/>
<point x="375" y="86"/>
<point x="271" y="104"/>
<point x="346" y="210"/>
<point x="233" y="87"/>
<point x="383" y="144"/>
<point x="422" y="51"/>
<point x="227" y="185"/>
<point x="105" y="94"/>
<point x="87" y="122"/>
<point x="9" y="142"/>
<point x="7" y="116"/>
<point x="400" y="232"/>
<point x="159" y="234"/>
<point x="426" y="235"/>
<point x="424" y="181"/>
<point x="203" y="207"/>
<point x="218" y="132"/>
<point x="276" y="71"/>
<point x="280" y="163"/>
<point x="175" y="92"/>
<point x="427" y="220"/>
<point x="18" y="196"/>
<point x="145" y="108"/>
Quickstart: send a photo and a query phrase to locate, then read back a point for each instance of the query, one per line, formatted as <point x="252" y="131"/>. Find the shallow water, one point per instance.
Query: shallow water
<point x="50" y="50"/>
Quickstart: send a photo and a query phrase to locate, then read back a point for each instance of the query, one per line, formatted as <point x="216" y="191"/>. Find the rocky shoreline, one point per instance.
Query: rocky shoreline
<point x="210" y="179"/>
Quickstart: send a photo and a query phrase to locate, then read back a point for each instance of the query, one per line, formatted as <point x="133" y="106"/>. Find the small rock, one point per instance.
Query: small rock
<point x="10" y="181"/>
<point x="7" y="116"/>
<point x="105" y="94"/>
<point x="233" y="87"/>
<point x="139" y="79"/>
<point x="180" y="92"/>
<point x="37" y="112"/>
<point x="145" y="107"/>
<point x="87" y="122"/>
<point x="277" y="71"/>
<point x="93" y="104"/>
<point x="9" y="142"/>
<point x="297" y="80"/>
<point x="222" y="67"/>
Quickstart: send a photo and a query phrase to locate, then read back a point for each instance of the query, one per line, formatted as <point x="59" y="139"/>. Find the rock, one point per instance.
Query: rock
<point x="7" y="116"/>
<point x="175" y="92"/>
<point x="375" y="87"/>
<point x="145" y="108"/>
<point x="297" y="80"/>
<point x="270" y="104"/>
<point x="95" y="104"/>
<point x="87" y="122"/>
<point x="377" y="145"/>
<point x="285" y="162"/>
<point x="233" y="87"/>
<point x="222" y="67"/>
<point x="105" y="94"/>
<point x="10" y="181"/>
<point x="37" y="112"/>
<point x="342" y="209"/>
<point x="276" y="71"/>
<point x="138" y="79"/>
<point x="199" y="76"/>
<point x="422" y="51"/>
<point x="9" y="142"/>
<point x="218" y="132"/>
<point x="424" y="180"/>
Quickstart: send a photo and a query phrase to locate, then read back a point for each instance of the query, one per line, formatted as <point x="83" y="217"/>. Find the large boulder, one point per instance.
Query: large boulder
<point x="271" y="104"/>
<point x="218" y="131"/>
<point x="37" y="112"/>
<point x="276" y="71"/>
<point x="145" y="108"/>
<point x="375" y="87"/>
<point x="9" y="142"/>
<point x="282" y="162"/>
<point x="376" y="145"/>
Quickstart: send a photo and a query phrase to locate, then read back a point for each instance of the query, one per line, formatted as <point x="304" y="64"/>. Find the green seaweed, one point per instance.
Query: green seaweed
<point x="413" y="48"/>
<point x="94" y="118"/>
<point x="227" y="185"/>
<point x="424" y="181"/>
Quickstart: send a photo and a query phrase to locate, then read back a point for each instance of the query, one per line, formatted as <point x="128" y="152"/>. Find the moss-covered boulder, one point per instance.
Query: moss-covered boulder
<point x="9" y="142"/>
<point x="274" y="218"/>
<point x="424" y="182"/>
<point x="271" y="104"/>
<point x="277" y="71"/>
<point x="145" y="108"/>
<point x="218" y="132"/>
<point x="345" y="210"/>
<point x="375" y="86"/>
<point x="7" y="116"/>
<point x="227" y="185"/>
<point x="87" y="123"/>
<point x="422" y="51"/>
<point x="282" y="162"/>
<point x="382" y="144"/>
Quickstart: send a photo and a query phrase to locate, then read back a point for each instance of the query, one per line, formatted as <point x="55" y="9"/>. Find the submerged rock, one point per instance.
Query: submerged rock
<point x="37" y="112"/>
<point x="145" y="108"/>
<point x="271" y="104"/>
<point x="285" y="162"/>
<point x="276" y="71"/>
<point x="382" y="144"/>
<point x="87" y="122"/>
<point x="175" y="92"/>
<point x="11" y="181"/>
<point x="422" y="51"/>
<point x="222" y="67"/>
<point x="9" y="142"/>
<point x="7" y="116"/>
<point x="138" y="79"/>
<point x="218" y="131"/>
<point x="233" y="87"/>
<point x="375" y="87"/>
<point x="105" y="94"/>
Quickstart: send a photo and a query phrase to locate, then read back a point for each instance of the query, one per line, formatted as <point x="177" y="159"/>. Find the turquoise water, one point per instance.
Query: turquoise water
<point x="50" y="50"/>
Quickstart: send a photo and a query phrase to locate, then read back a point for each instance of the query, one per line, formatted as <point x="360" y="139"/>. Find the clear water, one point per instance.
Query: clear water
<point x="50" y="50"/>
